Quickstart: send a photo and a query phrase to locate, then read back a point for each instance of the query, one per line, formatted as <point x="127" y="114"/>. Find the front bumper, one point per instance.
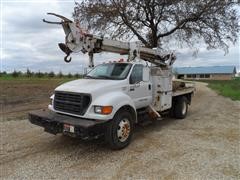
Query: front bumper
<point x="54" y="123"/>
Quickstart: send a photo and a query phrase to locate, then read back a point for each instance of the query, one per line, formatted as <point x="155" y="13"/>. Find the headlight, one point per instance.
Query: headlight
<point x="103" y="109"/>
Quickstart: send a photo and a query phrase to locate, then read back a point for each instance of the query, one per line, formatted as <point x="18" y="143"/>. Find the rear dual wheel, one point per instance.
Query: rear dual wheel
<point x="180" y="107"/>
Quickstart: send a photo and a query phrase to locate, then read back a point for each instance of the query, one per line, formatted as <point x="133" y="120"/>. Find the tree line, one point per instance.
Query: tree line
<point x="40" y="74"/>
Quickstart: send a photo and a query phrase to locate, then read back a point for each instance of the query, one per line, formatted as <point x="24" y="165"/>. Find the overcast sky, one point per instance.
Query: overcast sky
<point x="27" y="42"/>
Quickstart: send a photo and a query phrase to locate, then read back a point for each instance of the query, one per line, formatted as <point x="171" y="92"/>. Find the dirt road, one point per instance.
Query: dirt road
<point x="205" y="145"/>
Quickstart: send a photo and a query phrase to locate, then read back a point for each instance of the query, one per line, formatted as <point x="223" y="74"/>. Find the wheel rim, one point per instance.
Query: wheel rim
<point x="184" y="108"/>
<point x="123" y="130"/>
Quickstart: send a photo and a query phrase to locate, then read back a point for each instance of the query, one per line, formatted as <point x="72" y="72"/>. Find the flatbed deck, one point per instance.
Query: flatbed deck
<point x="182" y="91"/>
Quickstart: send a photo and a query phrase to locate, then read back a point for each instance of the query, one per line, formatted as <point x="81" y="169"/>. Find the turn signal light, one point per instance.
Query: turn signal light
<point x="106" y="109"/>
<point x="103" y="109"/>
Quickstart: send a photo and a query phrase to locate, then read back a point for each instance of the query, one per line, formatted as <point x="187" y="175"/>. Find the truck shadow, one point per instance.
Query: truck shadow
<point x="99" y="144"/>
<point x="151" y="127"/>
<point x="77" y="149"/>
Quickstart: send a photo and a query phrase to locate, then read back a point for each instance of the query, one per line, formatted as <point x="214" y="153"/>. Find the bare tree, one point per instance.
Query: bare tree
<point x="156" y="22"/>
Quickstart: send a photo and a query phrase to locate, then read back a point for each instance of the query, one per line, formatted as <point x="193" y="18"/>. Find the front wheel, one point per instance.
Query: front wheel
<point x="180" y="107"/>
<point x="119" y="131"/>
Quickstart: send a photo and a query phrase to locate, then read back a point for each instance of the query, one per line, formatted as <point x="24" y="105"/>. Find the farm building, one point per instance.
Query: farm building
<point x="205" y="72"/>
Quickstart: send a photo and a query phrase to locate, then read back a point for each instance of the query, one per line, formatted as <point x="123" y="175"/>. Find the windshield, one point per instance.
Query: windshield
<point x="110" y="71"/>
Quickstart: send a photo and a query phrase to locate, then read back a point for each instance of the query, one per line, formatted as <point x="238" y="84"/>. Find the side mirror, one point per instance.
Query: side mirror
<point x="146" y="74"/>
<point x="131" y="80"/>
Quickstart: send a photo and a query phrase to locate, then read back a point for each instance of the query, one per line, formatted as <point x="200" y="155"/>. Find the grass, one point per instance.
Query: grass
<point x="230" y="88"/>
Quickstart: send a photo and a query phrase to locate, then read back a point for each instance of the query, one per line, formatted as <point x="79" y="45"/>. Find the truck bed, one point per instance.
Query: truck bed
<point x="182" y="87"/>
<point x="182" y="91"/>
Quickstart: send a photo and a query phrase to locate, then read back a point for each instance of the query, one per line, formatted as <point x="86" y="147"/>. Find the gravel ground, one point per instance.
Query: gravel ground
<point x="205" y="145"/>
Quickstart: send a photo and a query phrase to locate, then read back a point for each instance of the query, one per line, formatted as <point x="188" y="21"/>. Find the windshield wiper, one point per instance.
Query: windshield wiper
<point x="105" y="77"/>
<point x="94" y="77"/>
<point x="90" y="77"/>
<point x="99" y="77"/>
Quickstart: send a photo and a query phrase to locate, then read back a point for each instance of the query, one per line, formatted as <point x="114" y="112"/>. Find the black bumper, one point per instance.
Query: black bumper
<point x="53" y="123"/>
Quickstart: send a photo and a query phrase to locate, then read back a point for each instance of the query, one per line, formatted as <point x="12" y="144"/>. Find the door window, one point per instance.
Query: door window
<point x="137" y="74"/>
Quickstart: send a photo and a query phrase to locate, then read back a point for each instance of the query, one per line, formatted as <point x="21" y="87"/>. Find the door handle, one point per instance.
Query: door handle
<point x="149" y="87"/>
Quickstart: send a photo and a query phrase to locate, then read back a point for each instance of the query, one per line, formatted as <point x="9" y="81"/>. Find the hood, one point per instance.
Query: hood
<point x="88" y="85"/>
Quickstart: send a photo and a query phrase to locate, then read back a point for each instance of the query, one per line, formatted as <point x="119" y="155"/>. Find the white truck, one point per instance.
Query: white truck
<point x="113" y="96"/>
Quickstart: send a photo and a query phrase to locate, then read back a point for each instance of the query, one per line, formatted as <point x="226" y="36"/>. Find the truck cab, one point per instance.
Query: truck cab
<point x="109" y="87"/>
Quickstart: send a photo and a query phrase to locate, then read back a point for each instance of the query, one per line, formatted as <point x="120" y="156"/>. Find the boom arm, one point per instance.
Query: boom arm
<point x="77" y="39"/>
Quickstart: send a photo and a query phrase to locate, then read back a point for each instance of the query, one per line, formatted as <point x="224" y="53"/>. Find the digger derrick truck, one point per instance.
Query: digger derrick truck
<point x="113" y="96"/>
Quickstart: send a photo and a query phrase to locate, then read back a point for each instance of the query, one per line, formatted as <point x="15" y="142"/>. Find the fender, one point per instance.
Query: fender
<point x="116" y="99"/>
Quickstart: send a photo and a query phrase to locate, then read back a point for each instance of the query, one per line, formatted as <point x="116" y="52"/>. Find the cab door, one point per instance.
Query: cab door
<point x="140" y="91"/>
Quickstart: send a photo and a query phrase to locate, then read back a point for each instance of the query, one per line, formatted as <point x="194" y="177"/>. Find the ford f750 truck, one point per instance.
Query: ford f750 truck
<point x="113" y="96"/>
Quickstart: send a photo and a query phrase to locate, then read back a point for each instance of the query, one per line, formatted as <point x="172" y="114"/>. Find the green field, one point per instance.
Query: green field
<point x="226" y="88"/>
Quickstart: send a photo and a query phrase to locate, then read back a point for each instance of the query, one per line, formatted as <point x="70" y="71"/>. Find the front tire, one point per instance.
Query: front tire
<point x="180" y="107"/>
<point x="119" y="131"/>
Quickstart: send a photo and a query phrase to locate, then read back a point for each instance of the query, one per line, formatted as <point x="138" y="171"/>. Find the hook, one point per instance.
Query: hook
<point x="66" y="58"/>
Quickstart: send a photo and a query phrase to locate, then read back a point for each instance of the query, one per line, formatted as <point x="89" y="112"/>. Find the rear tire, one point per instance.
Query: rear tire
<point x="180" y="107"/>
<point x="119" y="131"/>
